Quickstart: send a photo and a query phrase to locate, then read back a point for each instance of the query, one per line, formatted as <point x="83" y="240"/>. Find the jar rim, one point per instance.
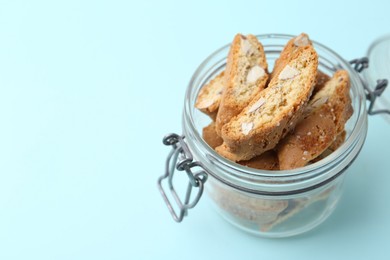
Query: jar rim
<point x="283" y="176"/>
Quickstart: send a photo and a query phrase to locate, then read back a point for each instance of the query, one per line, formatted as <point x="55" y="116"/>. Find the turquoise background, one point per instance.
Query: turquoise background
<point x="89" y="88"/>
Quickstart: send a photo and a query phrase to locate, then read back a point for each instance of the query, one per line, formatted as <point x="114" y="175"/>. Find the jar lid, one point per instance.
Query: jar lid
<point x="379" y="68"/>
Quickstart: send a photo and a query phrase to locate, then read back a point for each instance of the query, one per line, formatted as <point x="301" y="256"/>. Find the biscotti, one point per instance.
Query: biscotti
<point x="210" y="94"/>
<point x="245" y="75"/>
<point x="210" y="136"/>
<point x="340" y="138"/>
<point x="310" y="138"/>
<point x="326" y="115"/>
<point x="333" y="147"/>
<point x="321" y="79"/>
<point x="274" y="111"/>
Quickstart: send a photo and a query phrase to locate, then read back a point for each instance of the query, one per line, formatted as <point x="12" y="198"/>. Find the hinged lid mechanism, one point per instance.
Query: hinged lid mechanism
<point x="379" y="68"/>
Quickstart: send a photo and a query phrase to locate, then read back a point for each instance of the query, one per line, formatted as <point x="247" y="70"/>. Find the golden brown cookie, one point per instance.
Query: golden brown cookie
<point x="274" y="111"/>
<point x="211" y="137"/>
<point x="326" y="115"/>
<point x="245" y="76"/>
<point x="266" y="161"/>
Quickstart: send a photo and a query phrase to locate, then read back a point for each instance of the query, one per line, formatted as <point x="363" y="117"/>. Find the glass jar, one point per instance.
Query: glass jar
<point x="265" y="203"/>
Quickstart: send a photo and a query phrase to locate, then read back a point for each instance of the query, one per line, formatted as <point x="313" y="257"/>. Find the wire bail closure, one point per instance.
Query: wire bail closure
<point x="180" y="159"/>
<point x="371" y="95"/>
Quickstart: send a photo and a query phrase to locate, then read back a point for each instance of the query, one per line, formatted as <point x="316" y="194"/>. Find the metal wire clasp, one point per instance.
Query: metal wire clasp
<point x="371" y="95"/>
<point x="180" y="158"/>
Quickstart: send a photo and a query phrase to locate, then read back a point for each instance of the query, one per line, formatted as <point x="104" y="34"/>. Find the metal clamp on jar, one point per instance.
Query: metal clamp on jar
<point x="260" y="201"/>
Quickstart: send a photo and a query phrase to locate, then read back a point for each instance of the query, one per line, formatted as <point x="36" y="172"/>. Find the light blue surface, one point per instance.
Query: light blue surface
<point x="88" y="89"/>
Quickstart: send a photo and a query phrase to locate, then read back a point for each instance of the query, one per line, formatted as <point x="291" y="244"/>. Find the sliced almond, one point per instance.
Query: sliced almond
<point x="205" y="103"/>
<point x="318" y="102"/>
<point x="245" y="46"/>
<point x="254" y="74"/>
<point x="301" y="40"/>
<point x="256" y="105"/>
<point x="246" y="127"/>
<point x="288" y="73"/>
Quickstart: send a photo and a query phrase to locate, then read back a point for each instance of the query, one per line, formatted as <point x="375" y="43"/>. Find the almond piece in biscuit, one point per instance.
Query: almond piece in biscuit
<point x="245" y="76"/>
<point x="274" y="111"/>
